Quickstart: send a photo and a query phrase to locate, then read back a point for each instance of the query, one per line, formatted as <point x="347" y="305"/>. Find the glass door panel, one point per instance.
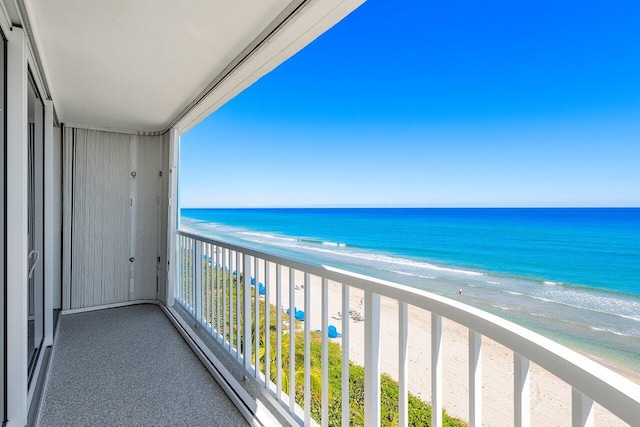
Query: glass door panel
<point x="35" y="319"/>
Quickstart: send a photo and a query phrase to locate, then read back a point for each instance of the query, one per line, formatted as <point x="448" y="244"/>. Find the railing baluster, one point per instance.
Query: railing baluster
<point x="183" y="273"/>
<point x="292" y="340"/>
<point x="325" y="352"/>
<point x="403" y="360"/>
<point x="436" y="370"/>
<point x="256" y="308"/>
<point x="180" y="286"/>
<point x="197" y="268"/>
<point x="210" y="283"/>
<point x="475" y="379"/>
<point x="521" y="394"/>
<point x="232" y="324"/>
<point x="225" y="253"/>
<point x="279" y="331"/>
<point x="218" y="274"/>
<point x="581" y="409"/>
<point x="194" y="285"/>
<point x="371" y="359"/>
<point x="307" y="349"/>
<point x="238" y="307"/>
<point x="205" y="284"/>
<point x="345" y="356"/>
<point x="256" y="302"/>
<point x="248" y="344"/>
<point x="267" y="327"/>
<point x="180" y="280"/>
<point x="188" y="273"/>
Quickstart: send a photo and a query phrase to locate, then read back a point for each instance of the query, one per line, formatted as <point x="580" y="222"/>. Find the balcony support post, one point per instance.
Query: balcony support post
<point x="173" y="279"/>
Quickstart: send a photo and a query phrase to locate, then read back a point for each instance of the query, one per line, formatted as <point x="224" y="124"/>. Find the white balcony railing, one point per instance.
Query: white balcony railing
<point x="206" y="286"/>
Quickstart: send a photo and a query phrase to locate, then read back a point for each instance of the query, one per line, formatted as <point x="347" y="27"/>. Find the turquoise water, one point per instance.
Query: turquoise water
<point x="572" y="274"/>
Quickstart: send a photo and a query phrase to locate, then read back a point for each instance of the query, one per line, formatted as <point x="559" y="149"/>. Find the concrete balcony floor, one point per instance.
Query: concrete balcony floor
<point x="129" y="366"/>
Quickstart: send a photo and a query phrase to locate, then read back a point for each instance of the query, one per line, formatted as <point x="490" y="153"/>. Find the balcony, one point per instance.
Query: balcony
<point x="130" y="365"/>
<point x="92" y="129"/>
<point x="224" y="288"/>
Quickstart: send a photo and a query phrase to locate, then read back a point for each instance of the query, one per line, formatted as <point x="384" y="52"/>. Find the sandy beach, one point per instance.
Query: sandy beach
<point x="550" y="397"/>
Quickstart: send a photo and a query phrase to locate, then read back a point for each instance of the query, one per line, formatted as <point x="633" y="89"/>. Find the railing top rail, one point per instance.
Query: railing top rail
<point x="611" y="390"/>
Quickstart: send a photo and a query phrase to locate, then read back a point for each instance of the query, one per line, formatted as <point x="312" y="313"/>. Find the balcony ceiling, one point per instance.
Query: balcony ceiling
<point x="135" y="65"/>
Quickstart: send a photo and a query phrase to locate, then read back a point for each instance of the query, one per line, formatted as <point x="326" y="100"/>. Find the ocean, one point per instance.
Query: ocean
<point x="572" y="274"/>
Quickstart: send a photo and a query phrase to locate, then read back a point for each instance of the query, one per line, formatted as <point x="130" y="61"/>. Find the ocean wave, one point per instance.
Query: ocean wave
<point x="583" y="307"/>
<point x="548" y="300"/>
<point x="372" y="257"/>
<point x="513" y="292"/>
<point x="611" y="331"/>
<point x="405" y="273"/>
<point x="339" y="245"/>
<point x="254" y="233"/>
<point x="550" y="283"/>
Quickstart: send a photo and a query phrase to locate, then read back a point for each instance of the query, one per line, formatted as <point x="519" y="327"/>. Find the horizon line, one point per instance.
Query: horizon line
<point x="410" y="207"/>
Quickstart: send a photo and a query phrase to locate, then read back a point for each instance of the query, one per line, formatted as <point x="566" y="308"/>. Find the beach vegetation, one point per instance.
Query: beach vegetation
<point x="419" y="411"/>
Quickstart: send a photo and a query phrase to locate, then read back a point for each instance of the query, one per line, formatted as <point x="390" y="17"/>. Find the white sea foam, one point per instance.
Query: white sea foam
<point x="513" y="292"/>
<point x="585" y="299"/>
<point x="376" y="258"/>
<point x="256" y="234"/>
<point x="550" y="283"/>
<point x="611" y="331"/>
<point x="541" y="315"/>
<point x="338" y="245"/>
<point x="406" y="273"/>
<point x="545" y="299"/>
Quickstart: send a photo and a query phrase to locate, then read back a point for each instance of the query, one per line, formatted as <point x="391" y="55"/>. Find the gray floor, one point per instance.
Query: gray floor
<point x="129" y="366"/>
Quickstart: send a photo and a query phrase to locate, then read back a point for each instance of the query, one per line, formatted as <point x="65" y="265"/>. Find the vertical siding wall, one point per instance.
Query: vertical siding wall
<point x="113" y="205"/>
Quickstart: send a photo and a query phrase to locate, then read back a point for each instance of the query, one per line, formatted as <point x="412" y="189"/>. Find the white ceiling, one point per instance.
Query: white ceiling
<point x="136" y="64"/>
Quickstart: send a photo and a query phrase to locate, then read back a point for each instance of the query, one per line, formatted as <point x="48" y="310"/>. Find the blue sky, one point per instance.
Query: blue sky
<point x="424" y="103"/>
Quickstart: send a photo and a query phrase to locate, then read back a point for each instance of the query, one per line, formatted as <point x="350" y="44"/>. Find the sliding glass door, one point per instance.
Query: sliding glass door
<point x="35" y="319"/>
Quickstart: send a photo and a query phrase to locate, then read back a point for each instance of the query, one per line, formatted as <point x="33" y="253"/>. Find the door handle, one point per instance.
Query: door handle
<point x="33" y="267"/>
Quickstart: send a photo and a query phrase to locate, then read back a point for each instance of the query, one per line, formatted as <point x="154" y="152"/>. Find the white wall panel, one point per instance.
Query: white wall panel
<point x="147" y="215"/>
<point x="113" y="215"/>
<point x="100" y="218"/>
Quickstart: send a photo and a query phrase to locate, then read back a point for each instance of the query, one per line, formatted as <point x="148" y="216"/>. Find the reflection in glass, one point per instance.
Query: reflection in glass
<point x="35" y="320"/>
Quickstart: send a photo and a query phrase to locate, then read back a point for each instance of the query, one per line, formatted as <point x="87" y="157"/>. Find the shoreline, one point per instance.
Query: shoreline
<point x="557" y="310"/>
<point x="550" y="396"/>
